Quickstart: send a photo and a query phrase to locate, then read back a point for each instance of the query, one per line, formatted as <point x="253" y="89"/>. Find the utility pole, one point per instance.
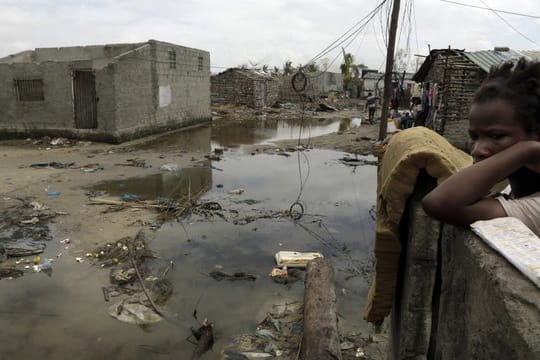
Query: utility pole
<point x="389" y="69"/>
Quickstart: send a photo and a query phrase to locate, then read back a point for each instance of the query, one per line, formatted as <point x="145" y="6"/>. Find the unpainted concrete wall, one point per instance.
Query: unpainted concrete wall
<point x="128" y="88"/>
<point x="56" y="111"/>
<point x="70" y="53"/>
<point x="189" y="85"/>
<point x="151" y="94"/>
<point x="459" y="299"/>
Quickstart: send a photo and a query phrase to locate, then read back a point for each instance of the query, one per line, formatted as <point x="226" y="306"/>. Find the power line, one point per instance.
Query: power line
<point x="510" y="25"/>
<point x="488" y="8"/>
<point x="349" y="33"/>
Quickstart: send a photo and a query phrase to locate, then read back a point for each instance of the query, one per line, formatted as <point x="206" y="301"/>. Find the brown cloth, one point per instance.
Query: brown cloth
<point x="407" y="153"/>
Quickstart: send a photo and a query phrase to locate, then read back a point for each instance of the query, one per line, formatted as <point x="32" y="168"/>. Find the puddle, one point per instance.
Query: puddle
<point x="264" y="132"/>
<point x="172" y="185"/>
<point x="65" y="315"/>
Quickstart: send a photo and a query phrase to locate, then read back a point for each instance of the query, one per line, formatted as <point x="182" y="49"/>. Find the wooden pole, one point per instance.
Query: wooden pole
<point x="389" y="68"/>
<point x="321" y="337"/>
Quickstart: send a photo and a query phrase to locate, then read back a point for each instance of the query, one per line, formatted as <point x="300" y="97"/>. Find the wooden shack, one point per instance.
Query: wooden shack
<point x="454" y="76"/>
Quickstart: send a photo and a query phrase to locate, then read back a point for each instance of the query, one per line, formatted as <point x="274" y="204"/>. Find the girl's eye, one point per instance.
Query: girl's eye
<point x="496" y="136"/>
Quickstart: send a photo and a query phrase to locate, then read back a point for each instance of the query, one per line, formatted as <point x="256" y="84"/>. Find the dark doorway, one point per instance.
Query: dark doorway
<point x="85" y="100"/>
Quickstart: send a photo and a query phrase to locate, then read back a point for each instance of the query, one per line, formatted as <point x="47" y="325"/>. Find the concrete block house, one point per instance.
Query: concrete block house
<point x="248" y="87"/>
<point x="106" y="92"/>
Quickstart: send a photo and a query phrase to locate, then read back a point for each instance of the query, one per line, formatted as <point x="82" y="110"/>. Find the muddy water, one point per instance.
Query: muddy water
<point x="65" y="315"/>
<point x="270" y="131"/>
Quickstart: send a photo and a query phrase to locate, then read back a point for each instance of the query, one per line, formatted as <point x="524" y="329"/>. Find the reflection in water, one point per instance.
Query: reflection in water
<point x="270" y="131"/>
<point x="195" y="140"/>
<point x="65" y="316"/>
<point x="172" y="185"/>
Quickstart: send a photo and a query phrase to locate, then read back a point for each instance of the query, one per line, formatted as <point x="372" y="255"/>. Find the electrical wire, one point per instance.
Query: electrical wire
<point x="510" y="25"/>
<point x="487" y="8"/>
<point x="359" y="26"/>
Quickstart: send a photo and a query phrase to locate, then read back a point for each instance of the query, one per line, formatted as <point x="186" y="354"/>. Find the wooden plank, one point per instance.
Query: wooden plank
<point x="321" y="337"/>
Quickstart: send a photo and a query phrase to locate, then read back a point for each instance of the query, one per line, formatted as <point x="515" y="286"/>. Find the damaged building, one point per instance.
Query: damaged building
<point x="252" y="88"/>
<point x="105" y="92"/>
<point x="450" y="78"/>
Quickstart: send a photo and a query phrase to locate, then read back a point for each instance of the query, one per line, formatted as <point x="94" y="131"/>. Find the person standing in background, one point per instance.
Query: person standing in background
<point x="371" y="105"/>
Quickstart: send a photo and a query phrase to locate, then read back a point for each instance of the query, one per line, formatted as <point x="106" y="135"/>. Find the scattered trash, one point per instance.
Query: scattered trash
<point x="265" y="333"/>
<point x="37" y="206"/>
<point x="10" y="273"/>
<point x="53" y="164"/>
<point x="285" y="275"/>
<point x="205" y="338"/>
<point x="59" y="141"/>
<point x="282" y="153"/>
<point x="236" y="191"/>
<point x="93" y="194"/>
<point x="134" y="313"/>
<point x="170" y="167"/>
<point x="357" y="162"/>
<point x="154" y="226"/>
<point x="79" y="259"/>
<point x="33" y="220"/>
<point x="129" y="197"/>
<point x="90" y="168"/>
<point x="219" y="275"/>
<point x="24" y="247"/>
<point x="295" y="258"/>
<point x="357" y="121"/>
<point x="65" y="241"/>
<point x="325" y="107"/>
<point x="53" y="193"/>
<point x="247" y="201"/>
<point x="121" y="276"/>
<point x="135" y="162"/>
<point x="44" y="266"/>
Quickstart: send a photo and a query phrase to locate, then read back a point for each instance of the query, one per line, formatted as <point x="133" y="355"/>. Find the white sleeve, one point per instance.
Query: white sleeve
<point x="526" y="209"/>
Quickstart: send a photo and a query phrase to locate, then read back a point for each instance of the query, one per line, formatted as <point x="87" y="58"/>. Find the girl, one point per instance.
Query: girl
<point x="504" y="127"/>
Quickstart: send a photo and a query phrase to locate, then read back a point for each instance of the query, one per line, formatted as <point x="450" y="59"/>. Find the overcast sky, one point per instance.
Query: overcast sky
<point x="237" y="32"/>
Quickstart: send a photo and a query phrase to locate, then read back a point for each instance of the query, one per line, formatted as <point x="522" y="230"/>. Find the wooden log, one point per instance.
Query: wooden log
<point x="321" y="337"/>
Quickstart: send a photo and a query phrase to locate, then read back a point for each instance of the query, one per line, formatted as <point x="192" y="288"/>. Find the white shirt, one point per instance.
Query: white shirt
<point x="526" y="209"/>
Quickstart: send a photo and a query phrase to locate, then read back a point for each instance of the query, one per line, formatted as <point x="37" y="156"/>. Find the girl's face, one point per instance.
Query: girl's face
<point x="493" y="127"/>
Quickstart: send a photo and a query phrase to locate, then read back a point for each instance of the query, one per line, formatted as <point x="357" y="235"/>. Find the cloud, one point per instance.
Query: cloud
<point x="262" y="31"/>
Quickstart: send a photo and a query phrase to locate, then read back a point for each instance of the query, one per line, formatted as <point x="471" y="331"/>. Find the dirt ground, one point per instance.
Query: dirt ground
<point x="63" y="190"/>
<point x="87" y="225"/>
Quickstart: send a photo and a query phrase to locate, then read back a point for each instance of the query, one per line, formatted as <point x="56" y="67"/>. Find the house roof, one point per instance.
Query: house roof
<point x="532" y="54"/>
<point x="249" y="73"/>
<point x="485" y="59"/>
<point x="430" y="59"/>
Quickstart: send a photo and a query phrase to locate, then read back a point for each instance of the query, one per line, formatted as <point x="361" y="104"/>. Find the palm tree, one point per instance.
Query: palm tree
<point x="348" y="69"/>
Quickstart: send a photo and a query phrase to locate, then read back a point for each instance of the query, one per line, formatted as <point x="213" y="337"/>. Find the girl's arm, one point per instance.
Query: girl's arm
<point x="459" y="200"/>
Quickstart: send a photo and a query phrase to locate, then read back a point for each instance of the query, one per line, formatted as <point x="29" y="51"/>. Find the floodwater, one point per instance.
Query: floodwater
<point x="265" y="132"/>
<point x="65" y="315"/>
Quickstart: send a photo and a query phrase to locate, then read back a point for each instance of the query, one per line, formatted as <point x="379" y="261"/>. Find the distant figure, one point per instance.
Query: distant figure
<point x="406" y="121"/>
<point x="371" y="105"/>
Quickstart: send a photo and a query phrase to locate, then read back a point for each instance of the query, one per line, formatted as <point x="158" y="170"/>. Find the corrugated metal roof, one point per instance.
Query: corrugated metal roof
<point x="532" y="54"/>
<point x="485" y="59"/>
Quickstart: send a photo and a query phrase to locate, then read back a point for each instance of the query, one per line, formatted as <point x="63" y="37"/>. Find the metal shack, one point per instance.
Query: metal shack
<point x="105" y="92"/>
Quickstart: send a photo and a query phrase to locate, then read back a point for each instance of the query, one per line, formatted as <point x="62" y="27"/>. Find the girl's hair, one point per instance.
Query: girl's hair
<point x="519" y="85"/>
